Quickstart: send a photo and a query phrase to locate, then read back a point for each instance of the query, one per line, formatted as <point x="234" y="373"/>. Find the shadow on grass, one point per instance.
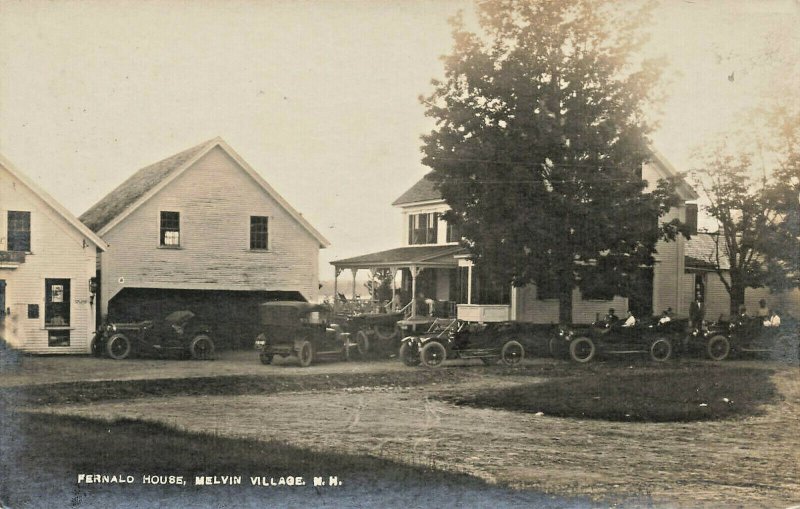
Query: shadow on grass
<point x="44" y="457"/>
<point x="678" y="394"/>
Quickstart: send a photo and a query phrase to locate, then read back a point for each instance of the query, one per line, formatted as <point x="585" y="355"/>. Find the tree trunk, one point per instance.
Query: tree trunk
<point x="565" y="305"/>
<point x="736" y="292"/>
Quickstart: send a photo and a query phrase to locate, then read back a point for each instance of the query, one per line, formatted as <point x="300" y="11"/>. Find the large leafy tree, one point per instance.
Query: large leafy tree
<point x="540" y="140"/>
<point x="752" y="190"/>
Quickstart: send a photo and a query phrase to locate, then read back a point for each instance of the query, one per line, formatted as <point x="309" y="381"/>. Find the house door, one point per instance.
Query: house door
<point x="2" y="307"/>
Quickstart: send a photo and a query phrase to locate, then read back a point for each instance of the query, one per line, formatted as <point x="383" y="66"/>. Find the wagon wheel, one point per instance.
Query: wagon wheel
<point x="118" y="347"/>
<point x="718" y="348"/>
<point x="660" y="350"/>
<point x="582" y="349"/>
<point x="433" y="354"/>
<point x="201" y="347"/>
<point x="305" y="354"/>
<point x="409" y="355"/>
<point x="362" y="341"/>
<point x="512" y="353"/>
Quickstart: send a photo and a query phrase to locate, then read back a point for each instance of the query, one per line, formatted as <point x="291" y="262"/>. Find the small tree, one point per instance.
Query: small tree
<point x="540" y="140"/>
<point x="753" y="195"/>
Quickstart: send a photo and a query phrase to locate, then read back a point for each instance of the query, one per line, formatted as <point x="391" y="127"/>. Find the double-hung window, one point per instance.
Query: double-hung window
<point x="423" y="228"/>
<point x="19" y="231"/>
<point x="170" y="229"/>
<point x="259" y="232"/>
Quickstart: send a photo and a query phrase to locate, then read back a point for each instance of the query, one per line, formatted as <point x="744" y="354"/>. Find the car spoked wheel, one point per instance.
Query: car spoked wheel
<point x="433" y="354"/>
<point x="660" y="350"/>
<point x="305" y="354"/>
<point x="409" y="354"/>
<point x="201" y="348"/>
<point x="582" y="349"/>
<point x="362" y="342"/>
<point x="512" y="353"/>
<point x="118" y="347"/>
<point x="718" y="348"/>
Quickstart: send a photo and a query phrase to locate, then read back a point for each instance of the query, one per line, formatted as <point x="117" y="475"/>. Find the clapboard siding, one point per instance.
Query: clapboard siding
<point x="215" y="198"/>
<point x="532" y="310"/>
<point x="58" y="250"/>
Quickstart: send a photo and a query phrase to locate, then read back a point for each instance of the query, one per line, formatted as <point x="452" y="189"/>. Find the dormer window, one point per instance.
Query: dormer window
<point x="423" y="228"/>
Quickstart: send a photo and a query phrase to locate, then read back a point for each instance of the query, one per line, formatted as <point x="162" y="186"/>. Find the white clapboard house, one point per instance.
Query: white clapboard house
<point x="434" y="265"/>
<point x="202" y="230"/>
<point x="47" y="270"/>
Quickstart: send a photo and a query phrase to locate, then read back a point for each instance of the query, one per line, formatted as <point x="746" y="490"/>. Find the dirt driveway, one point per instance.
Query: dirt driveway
<point x="747" y="462"/>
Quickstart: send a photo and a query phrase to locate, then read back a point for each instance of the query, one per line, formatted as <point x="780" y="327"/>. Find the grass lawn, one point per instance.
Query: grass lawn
<point x="618" y="393"/>
<point x="46" y="453"/>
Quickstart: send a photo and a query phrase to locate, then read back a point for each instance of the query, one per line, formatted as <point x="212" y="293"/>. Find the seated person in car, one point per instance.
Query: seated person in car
<point x="630" y="320"/>
<point x="774" y="320"/>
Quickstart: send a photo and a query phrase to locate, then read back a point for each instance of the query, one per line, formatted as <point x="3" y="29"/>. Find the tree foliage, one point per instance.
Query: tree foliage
<point x="753" y="192"/>
<point x="540" y="140"/>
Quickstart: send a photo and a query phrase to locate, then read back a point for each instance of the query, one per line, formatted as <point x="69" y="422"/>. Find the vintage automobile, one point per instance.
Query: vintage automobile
<point x="744" y="335"/>
<point x="650" y="337"/>
<point x="449" y="338"/>
<point x="179" y="334"/>
<point x="372" y="332"/>
<point x="301" y="330"/>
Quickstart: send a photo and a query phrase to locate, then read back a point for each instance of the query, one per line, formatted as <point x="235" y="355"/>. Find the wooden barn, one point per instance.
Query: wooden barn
<point x="202" y="230"/>
<point x="47" y="270"/>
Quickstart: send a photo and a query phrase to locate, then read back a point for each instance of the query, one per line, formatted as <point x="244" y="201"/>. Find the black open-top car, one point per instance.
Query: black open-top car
<point x="652" y="337"/>
<point x="449" y="338"/>
<point x="301" y="330"/>
<point x="745" y="335"/>
<point x="179" y="334"/>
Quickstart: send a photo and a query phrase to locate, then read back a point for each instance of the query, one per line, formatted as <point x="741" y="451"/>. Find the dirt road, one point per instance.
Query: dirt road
<point x="746" y="462"/>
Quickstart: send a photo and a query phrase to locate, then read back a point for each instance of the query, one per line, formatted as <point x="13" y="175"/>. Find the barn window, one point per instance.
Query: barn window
<point x="19" y="230"/>
<point x="259" y="232"/>
<point x="170" y="229"/>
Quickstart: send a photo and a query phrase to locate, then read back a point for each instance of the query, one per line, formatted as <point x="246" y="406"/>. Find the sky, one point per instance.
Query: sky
<point x="320" y="97"/>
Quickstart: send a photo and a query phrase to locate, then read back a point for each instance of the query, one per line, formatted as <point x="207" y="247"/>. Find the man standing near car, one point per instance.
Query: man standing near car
<point x="697" y="312"/>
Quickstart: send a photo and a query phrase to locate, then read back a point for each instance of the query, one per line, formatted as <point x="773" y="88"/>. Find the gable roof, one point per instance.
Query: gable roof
<point x="53" y="203"/>
<point x="145" y="183"/>
<point x="425" y="189"/>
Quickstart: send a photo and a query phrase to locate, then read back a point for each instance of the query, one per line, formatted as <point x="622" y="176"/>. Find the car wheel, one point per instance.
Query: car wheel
<point x="512" y="353"/>
<point x="385" y="332"/>
<point x="488" y="361"/>
<point x="718" y="348"/>
<point x="118" y="347"/>
<point x="433" y="354"/>
<point x="409" y="355"/>
<point x="305" y="354"/>
<point x="552" y="347"/>
<point x="660" y="350"/>
<point x="582" y="349"/>
<point x="362" y="341"/>
<point x="265" y="359"/>
<point x="201" y="347"/>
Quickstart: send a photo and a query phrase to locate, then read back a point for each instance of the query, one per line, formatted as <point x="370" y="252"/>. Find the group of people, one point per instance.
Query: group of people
<point x="770" y="318"/>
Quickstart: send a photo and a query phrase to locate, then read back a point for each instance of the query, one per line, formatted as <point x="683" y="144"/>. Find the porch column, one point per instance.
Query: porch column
<point x="513" y="315"/>
<point x="372" y="272"/>
<point x="414" y="273"/>
<point x="336" y="272"/>
<point x="393" y="272"/>
<point x="469" y="283"/>
<point x="354" y="271"/>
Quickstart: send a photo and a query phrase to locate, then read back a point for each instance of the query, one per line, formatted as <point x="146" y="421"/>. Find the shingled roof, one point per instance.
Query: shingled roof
<point x="423" y="190"/>
<point x="700" y="252"/>
<point x="148" y="181"/>
<point x="441" y="255"/>
<point x="130" y="191"/>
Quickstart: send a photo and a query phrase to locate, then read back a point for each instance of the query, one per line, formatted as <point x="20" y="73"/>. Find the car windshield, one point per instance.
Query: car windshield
<point x="178" y="317"/>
